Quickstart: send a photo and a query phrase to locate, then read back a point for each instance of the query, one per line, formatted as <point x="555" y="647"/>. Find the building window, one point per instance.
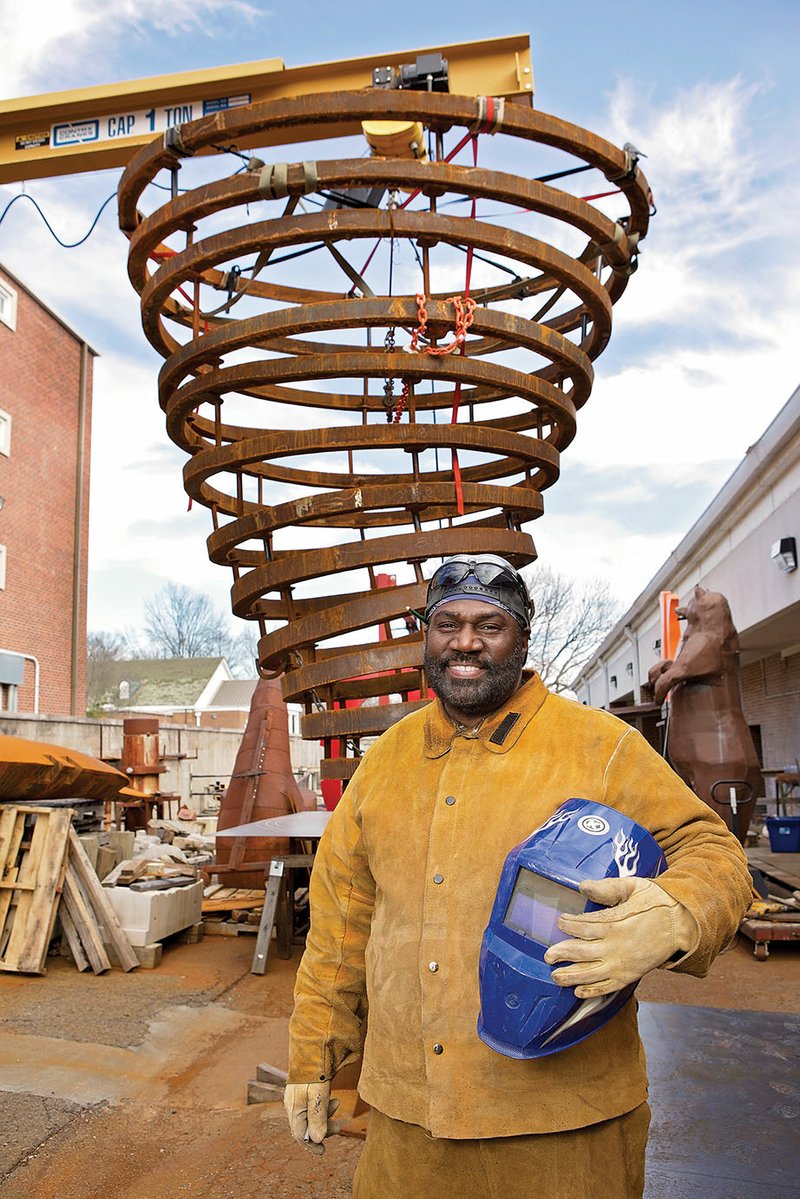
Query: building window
<point x="5" y="433"/>
<point x="2" y="568"/>
<point x="8" y="305"/>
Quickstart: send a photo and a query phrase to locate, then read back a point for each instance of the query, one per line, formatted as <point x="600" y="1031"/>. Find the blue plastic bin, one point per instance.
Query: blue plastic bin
<point x="784" y="833"/>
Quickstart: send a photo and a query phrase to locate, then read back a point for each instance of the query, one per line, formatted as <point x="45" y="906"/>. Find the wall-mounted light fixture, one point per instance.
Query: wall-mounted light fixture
<point x="613" y="680"/>
<point x="629" y="668"/>
<point x="657" y="646"/>
<point x="784" y="554"/>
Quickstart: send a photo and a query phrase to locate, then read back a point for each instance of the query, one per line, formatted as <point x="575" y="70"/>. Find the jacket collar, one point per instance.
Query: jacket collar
<point x="498" y="733"/>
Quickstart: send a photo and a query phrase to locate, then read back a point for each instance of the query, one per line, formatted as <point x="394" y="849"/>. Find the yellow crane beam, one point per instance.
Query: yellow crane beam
<point x="90" y="129"/>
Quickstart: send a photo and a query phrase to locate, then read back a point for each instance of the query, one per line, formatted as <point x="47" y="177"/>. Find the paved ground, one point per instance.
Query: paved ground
<point x="133" y="1085"/>
<point x="725" y="1091"/>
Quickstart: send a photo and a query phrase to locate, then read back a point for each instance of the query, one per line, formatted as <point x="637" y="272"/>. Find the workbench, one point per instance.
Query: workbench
<point x="787" y="791"/>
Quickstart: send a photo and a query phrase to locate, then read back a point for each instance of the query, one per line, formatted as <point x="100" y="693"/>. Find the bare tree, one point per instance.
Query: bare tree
<point x="182" y="623"/>
<point x="571" y="620"/>
<point x="101" y="649"/>
<point x="243" y="653"/>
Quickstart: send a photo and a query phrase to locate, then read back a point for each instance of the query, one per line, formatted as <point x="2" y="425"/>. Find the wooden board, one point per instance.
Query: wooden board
<point x="234" y="899"/>
<point x="73" y="940"/>
<point x="79" y="912"/>
<point x="33" y="847"/>
<point x="276" y="875"/>
<point x="227" y="928"/>
<point x="103" y="913"/>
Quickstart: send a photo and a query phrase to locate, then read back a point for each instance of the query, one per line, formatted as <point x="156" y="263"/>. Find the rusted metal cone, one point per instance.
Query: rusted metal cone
<point x="333" y="449"/>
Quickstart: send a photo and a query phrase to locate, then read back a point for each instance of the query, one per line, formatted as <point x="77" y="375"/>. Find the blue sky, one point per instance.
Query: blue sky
<point x="702" y="353"/>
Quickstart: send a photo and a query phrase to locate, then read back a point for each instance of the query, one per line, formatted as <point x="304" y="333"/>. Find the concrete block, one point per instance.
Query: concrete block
<point x="263" y="1092"/>
<point x="191" y="935"/>
<point x="271" y="1074"/>
<point x="149" y="916"/>
<point x="149" y="955"/>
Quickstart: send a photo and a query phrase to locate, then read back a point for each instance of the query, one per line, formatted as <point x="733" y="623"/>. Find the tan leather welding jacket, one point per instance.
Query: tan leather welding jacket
<point x="402" y="891"/>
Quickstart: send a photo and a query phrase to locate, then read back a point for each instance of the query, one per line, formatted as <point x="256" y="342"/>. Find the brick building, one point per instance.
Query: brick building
<point x="746" y="546"/>
<point x="45" y="426"/>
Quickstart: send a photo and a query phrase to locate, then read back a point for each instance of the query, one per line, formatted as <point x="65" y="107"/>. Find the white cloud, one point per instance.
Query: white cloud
<point x="46" y="41"/>
<point x="707" y="327"/>
<point x="653" y="412"/>
<point x="589" y="546"/>
<point x="713" y="186"/>
<point x="716" y="291"/>
<point x="138" y="503"/>
<point x="696" y="141"/>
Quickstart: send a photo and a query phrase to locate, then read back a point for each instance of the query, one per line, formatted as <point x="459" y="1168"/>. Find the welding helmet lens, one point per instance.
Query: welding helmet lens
<point x="536" y="904"/>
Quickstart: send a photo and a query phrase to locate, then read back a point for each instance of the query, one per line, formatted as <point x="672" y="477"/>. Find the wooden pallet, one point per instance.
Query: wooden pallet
<point x="33" y="852"/>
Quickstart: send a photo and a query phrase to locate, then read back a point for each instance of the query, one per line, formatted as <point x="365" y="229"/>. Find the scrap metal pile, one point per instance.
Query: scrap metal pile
<point x="404" y="394"/>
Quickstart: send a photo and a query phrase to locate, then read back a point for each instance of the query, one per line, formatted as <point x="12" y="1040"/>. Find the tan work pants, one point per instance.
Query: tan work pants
<point x="602" y="1161"/>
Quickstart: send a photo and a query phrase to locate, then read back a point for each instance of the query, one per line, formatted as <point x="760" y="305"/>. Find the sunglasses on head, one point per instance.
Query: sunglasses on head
<point x="494" y="574"/>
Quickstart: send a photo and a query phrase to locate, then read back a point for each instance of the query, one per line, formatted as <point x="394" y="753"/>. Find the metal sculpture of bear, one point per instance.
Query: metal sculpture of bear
<point x="709" y="742"/>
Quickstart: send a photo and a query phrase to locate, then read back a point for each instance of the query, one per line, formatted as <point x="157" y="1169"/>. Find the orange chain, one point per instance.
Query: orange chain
<point x="465" y="315"/>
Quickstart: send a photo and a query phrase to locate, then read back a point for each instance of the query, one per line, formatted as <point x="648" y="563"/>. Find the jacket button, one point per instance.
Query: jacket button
<point x="451" y="799"/>
<point x="433" y="967"/>
<point x="438" y="1048"/>
<point x="438" y="878"/>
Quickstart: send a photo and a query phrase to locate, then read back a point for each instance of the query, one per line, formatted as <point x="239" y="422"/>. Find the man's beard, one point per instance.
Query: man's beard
<point x="476" y="697"/>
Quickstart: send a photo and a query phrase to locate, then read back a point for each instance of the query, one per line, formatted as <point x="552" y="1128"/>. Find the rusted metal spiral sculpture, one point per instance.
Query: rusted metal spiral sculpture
<point x="401" y="427"/>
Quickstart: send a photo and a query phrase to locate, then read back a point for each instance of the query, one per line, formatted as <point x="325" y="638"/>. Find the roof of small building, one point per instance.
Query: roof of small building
<point x="157" y="682"/>
<point x="233" y="694"/>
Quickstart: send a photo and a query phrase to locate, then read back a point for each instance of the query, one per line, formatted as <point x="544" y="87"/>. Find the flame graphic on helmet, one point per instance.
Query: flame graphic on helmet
<point x="554" y="820"/>
<point x="626" y="855"/>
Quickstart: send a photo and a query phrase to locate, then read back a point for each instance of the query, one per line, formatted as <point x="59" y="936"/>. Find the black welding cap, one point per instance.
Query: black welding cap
<point x="485" y="577"/>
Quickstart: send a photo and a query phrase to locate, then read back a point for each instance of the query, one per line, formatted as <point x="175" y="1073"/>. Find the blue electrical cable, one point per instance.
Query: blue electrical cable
<point x="66" y="245"/>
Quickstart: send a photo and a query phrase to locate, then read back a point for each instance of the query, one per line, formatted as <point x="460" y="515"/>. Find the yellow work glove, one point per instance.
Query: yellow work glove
<point x="309" y="1107"/>
<point x="640" y="928"/>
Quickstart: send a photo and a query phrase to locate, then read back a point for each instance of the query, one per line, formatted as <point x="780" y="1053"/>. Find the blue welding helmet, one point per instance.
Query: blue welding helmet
<point x="524" y="1014"/>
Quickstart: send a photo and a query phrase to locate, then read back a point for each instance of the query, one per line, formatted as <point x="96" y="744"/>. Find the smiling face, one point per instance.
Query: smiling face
<point x="474" y="655"/>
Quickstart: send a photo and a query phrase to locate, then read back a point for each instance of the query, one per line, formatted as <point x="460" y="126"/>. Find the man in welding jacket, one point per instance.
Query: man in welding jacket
<point x="401" y="893"/>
